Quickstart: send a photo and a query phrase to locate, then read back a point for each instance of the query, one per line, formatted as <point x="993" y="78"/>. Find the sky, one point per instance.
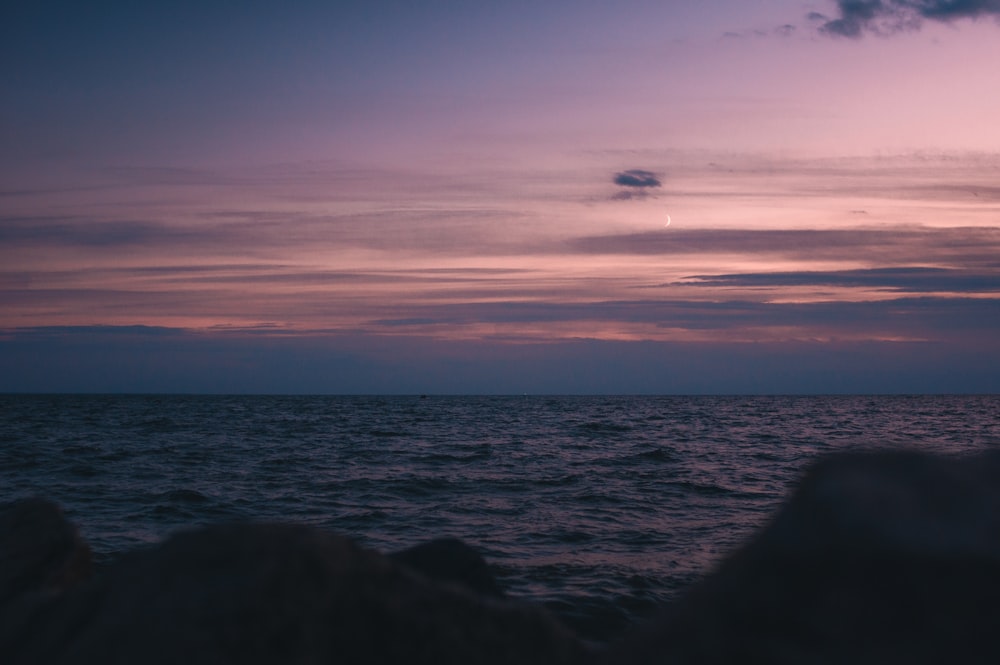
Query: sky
<point x="725" y="196"/>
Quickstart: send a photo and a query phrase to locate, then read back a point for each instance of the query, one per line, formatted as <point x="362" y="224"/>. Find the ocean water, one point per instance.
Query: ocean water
<point x="601" y="508"/>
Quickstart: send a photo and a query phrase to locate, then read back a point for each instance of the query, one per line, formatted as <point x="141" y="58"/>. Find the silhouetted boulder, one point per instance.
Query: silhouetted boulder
<point x="280" y="594"/>
<point x="451" y="560"/>
<point x="877" y="558"/>
<point x="40" y="550"/>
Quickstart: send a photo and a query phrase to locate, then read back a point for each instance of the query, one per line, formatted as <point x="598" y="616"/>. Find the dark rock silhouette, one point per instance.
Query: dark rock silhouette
<point x="40" y="551"/>
<point x="451" y="560"/>
<point x="41" y="555"/>
<point x="272" y="593"/>
<point x="877" y="558"/>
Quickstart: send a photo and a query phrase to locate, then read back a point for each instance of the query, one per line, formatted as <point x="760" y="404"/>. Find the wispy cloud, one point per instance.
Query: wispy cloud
<point x="855" y="18"/>
<point x="19" y="232"/>
<point x="926" y="319"/>
<point x="260" y="234"/>
<point x="901" y="317"/>
<point x="908" y="279"/>
<point x="566" y="265"/>
<point x="971" y="246"/>
<point x="785" y="30"/>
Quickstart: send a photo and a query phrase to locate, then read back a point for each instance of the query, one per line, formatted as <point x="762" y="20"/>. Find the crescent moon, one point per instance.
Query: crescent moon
<point x="668" y="220"/>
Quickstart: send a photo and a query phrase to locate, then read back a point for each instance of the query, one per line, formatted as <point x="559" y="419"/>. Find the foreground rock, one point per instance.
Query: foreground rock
<point x="276" y="594"/>
<point x="40" y="551"/>
<point x="451" y="560"/>
<point x="878" y="558"/>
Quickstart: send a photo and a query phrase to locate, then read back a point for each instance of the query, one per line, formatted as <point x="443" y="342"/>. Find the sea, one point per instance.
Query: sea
<point x="601" y="508"/>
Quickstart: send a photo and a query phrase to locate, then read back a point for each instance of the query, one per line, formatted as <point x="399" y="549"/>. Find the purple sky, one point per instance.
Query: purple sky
<point x="472" y="197"/>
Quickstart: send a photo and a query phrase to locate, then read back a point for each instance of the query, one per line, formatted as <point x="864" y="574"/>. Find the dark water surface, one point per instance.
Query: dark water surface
<point x="600" y="507"/>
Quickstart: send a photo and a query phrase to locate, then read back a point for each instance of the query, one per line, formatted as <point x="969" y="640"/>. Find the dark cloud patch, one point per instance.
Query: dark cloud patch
<point x="886" y="17"/>
<point x="909" y="279"/>
<point x="637" y="178"/>
<point x="636" y="184"/>
<point x="949" y="9"/>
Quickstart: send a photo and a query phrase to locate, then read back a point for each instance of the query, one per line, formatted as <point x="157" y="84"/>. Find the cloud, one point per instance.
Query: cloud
<point x="885" y="17"/>
<point x="912" y="279"/>
<point x="636" y="184"/>
<point x="89" y="232"/>
<point x="784" y="30"/>
<point x="953" y="318"/>
<point x="257" y="234"/>
<point x="628" y="195"/>
<point x="885" y="245"/>
<point x="637" y="178"/>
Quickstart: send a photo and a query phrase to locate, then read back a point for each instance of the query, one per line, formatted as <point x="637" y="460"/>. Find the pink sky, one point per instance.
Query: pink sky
<point x="370" y="176"/>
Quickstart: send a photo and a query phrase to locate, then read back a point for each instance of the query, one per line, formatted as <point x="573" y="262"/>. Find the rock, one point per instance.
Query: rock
<point x="451" y="560"/>
<point x="41" y="555"/>
<point x="877" y="558"/>
<point x="40" y="550"/>
<point x="271" y="593"/>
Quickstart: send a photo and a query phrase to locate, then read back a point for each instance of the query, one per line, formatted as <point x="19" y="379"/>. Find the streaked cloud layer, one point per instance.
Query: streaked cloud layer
<point x="429" y="200"/>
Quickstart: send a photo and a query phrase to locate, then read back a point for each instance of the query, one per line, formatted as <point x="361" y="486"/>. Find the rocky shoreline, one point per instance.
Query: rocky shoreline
<point x="876" y="558"/>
